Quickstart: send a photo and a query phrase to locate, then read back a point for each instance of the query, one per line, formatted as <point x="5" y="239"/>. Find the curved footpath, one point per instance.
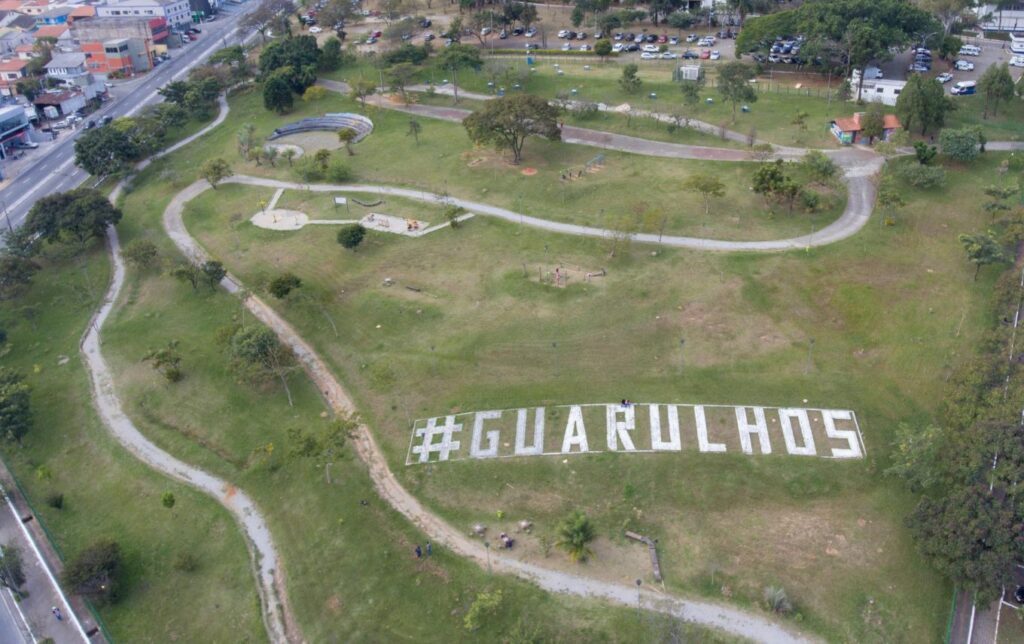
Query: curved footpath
<point x="726" y="618"/>
<point x="265" y="560"/>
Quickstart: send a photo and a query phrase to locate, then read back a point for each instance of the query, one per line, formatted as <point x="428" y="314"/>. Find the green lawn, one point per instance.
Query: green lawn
<point x="107" y="491"/>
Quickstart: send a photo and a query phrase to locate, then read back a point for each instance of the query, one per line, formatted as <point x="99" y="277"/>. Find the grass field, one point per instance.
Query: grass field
<point x="107" y="492"/>
<point x="889" y="312"/>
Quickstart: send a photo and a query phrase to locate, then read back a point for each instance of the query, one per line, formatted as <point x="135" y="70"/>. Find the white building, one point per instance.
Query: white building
<point x="1010" y="18"/>
<point x="176" y="12"/>
<point x="66" y="67"/>
<point x="876" y="90"/>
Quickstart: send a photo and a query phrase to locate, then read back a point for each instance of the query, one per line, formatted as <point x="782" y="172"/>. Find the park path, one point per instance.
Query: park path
<point x="732" y="620"/>
<point x="277" y="620"/>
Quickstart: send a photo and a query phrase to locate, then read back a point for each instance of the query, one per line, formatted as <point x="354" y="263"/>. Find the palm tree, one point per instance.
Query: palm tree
<point x="574" y="534"/>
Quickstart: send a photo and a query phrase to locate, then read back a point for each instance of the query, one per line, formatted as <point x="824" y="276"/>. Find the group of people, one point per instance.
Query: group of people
<point x="419" y="551"/>
<point x="626" y="402"/>
<point x="506" y="541"/>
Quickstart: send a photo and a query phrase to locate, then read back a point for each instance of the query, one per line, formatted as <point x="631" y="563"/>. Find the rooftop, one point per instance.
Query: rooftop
<point x="852" y="123"/>
<point x="50" y="31"/>
<point x="15" y="65"/>
<point x="61" y="61"/>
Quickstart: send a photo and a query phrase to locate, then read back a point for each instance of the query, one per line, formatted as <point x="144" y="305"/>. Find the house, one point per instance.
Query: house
<point x="11" y="39"/>
<point x="11" y="71"/>
<point x="66" y="67"/>
<point x="92" y="33"/>
<point x="66" y="101"/>
<point x="34" y="7"/>
<point x="175" y="12"/>
<point x="82" y="11"/>
<point x="55" y="16"/>
<point x="14" y="125"/>
<point x="124" y="56"/>
<point x="847" y="130"/>
<point x="59" y="33"/>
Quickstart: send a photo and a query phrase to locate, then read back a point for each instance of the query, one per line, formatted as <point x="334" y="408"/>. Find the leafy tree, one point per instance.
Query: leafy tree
<point x="15" y="409"/>
<point x="998" y="196"/>
<point x="485" y="604"/>
<point x="268" y="14"/>
<point x="890" y="200"/>
<point x="707" y="186"/>
<point x="630" y="82"/>
<point x="330" y="56"/>
<point x="188" y="272"/>
<point x="407" y="54"/>
<point x="29" y="88"/>
<point x="166" y="361"/>
<point x="996" y="86"/>
<point x="918" y="456"/>
<point x="78" y="214"/>
<point x="457" y="57"/>
<point x="169" y="115"/>
<point x="734" y="84"/>
<point x="11" y="573"/>
<point x="314" y="93"/>
<point x="603" y="48"/>
<point x="295" y="58"/>
<point x="277" y="95"/>
<point x="15" y="275"/>
<point x="983" y="249"/>
<point x="323" y="447"/>
<point x="284" y="284"/>
<point x="93" y="571"/>
<point x="922" y="103"/>
<point x="338" y="171"/>
<point x="141" y="253"/>
<point x="351" y="236"/>
<point x="962" y="144"/>
<point x="819" y="166"/>
<point x="451" y="215"/>
<point x="289" y="154"/>
<point x="872" y="124"/>
<point x="506" y="122"/>
<point x="246" y="140"/>
<point x="215" y="171"/>
<point x="454" y="32"/>
<point x="212" y="273"/>
<point x="361" y="88"/>
<point x="922" y="176"/>
<point x="414" y="130"/>
<point x="574" y="536"/>
<point x="924" y="153"/>
<point x="322" y="157"/>
<point x="972" y="536"/>
<point x="167" y="500"/>
<point x="399" y="76"/>
<point x="258" y="350"/>
<point x="950" y="46"/>
<point x="109" y="150"/>
<point x="769" y="178"/>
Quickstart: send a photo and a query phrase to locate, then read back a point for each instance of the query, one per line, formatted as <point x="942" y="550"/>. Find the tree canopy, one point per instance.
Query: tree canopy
<point x="78" y="214"/>
<point x="93" y="571"/>
<point x="923" y="104"/>
<point x="15" y="410"/>
<point x="111" y="149"/>
<point x="734" y="84"/>
<point x="506" y="122"/>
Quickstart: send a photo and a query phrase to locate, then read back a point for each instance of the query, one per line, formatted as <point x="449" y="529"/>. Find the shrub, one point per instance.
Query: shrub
<point x="314" y="93"/>
<point x="338" y="171"/>
<point x="922" y="176"/>
<point x="351" y="236"/>
<point x="777" y="600"/>
<point x="962" y="145"/>
<point x="55" y="500"/>
<point x="282" y="285"/>
<point x="485" y="604"/>
<point x="575" y="535"/>
<point x="167" y="500"/>
<point x="141" y="253"/>
<point x="309" y="169"/>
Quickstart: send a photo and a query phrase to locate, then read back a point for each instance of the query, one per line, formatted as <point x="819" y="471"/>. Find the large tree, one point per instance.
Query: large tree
<point x="734" y="84"/>
<point x="93" y="571"/>
<point x="506" y="122"/>
<point x="258" y="351"/>
<point x="215" y="171"/>
<point x="872" y="124"/>
<point x="277" y="95"/>
<point x="15" y="410"/>
<point x="266" y="15"/>
<point x="113" y="148"/>
<point x="299" y="55"/>
<point x="77" y="215"/>
<point x="996" y="86"/>
<point x="963" y="144"/>
<point x="15" y="275"/>
<point x="923" y="104"/>
<point x="457" y="57"/>
<point x="708" y="186"/>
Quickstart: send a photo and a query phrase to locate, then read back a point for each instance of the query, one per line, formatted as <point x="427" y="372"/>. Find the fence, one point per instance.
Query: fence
<point x="55" y="545"/>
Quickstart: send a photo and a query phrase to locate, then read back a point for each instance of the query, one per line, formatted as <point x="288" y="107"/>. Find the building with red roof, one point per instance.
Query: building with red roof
<point x="848" y="129"/>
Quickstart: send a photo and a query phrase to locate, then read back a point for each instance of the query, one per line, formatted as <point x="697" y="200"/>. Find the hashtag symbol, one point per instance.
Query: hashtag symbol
<point x="443" y="448"/>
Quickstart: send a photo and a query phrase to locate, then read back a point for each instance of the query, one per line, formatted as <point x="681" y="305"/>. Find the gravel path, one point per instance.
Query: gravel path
<point x="732" y="620"/>
<point x="277" y="619"/>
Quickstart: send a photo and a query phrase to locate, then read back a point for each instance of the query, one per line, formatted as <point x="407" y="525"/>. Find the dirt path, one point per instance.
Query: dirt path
<point x="277" y="618"/>
<point x="726" y="618"/>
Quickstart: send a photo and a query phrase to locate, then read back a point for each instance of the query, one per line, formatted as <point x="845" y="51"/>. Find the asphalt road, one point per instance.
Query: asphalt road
<point x="55" y="171"/>
<point x="11" y="629"/>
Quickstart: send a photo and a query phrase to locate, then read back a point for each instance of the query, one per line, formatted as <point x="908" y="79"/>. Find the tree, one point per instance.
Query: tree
<point x="167" y="500"/>
<point x="457" y="57"/>
<point x="399" y="76"/>
<point x="322" y="447"/>
<point x="258" y="350"/>
<point x="15" y="275"/>
<point x="983" y="249"/>
<point x="93" y="571"/>
<point x="734" y="84"/>
<point x="819" y="167"/>
<point x="110" y="150"/>
<point x="506" y="122"/>
<point x="246" y="140"/>
<point x="707" y="186"/>
<point x="574" y="536"/>
<point x="266" y="15"/>
<point x="289" y="154"/>
<point x="215" y="171"/>
<point x="414" y="130"/>
<point x="997" y="86"/>
<point x="923" y="103"/>
<point x="29" y="88"/>
<point x="322" y="157"/>
<point x="166" y="361"/>
<point x="277" y="95"/>
<point x="314" y="93"/>
<point x="361" y="88"/>
<point x="284" y="284"/>
<point x="141" y="253"/>
<point x="962" y="144"/>
<point x="890" y="200"/>
<point x="972" y="536"/>
<point x="330" y="55"/>
<point x="872" y="124"/>
<point x="351" y="236"/>
<point x="603" y="48"/>
<point x="15" y="409"/>
<point x="169" y="115"/>
<point x="924" y="153"/>
<point x="948" y="12"/>
<point x="630" y="82"/>
<point x="922" y="176"/>
<point x="11" y="573"/>
<point x="78" y="214"/>
<point x="188" y="272"/>
<point x="768" y="179"/>
<point x="998" y="196"/>
<point x="212" y="273"/>
<point x="485" y="605"/>
<point x="918" y="456"/>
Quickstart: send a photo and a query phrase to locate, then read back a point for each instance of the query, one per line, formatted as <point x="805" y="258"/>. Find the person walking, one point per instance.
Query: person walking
<point x="430" y="550"/>
<point x="56" y="613"/>
<point x="419" y="552"/>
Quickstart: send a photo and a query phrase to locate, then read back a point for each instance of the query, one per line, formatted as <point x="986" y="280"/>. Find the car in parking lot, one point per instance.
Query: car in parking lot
<point x="531" y="32"/>
<point x="919" y="68"/>
<point x="563" y="33"/>
<point x="667" y="55"/>
<point x="1017" y="61"/>
<point x="663" y="38"/>
<point x="618" y="47"/>
<point x="315" y="30"/>
<point x="705" y="54"/>
<point x="503" y="35"/>
<point x="647" y="55"/>
<point x="691" y="38"/>
<point x="632" y="47"/>
<point x="566" y="47"/>
<point x="25" y="145"/>
<point x="426" y="22"/>
<point x="617" y="36"/>
<point x="963" y="88"/>
<point x="584" y="47"/>
<point x="963" y="66"/>
<point x="581" y="35"/>
<point x="944" y="77"/>
<point x="970" y="50"/>
<point x="650" y="48"/>
<point x="715" y="55"/>
<point x="674" y="40"/>
<point x="690" y="54"/>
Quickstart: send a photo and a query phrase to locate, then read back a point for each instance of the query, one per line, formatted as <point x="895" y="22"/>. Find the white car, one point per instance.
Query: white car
<point x="618" y="47"/>
<point x="944" y="77"/>
<point x="1017" y="61"/>
<point x="584" y="47"/>
<point x="651" y="49"/>
<point x="715" y="55"/>
<point x="566" y="47"/>
<point x="485" y="31"/>
<point x="648" y="56"/>
<point x="964" y="66"/>
<point x="315" y="30"/>
<point x="667" y="55"/>
<point x="531" y="32"/>
<point x="563" y="33"/>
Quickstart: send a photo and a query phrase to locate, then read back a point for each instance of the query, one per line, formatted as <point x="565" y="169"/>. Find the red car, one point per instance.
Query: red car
<point x="662" y="38"/>
<point x="705" y="54"/>
<point x="377" y="34"/>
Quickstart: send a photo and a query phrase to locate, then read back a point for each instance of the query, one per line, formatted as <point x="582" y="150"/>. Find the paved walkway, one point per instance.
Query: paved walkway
<point x="265" y="560"/>
<point x="729" y="619"/>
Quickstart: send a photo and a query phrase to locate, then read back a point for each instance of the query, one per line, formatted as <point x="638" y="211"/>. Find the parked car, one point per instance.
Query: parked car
<point x="705" y="54"/>
<point x="652" y="49"/>
<point x="647" y="55"/>
<point x="315" y="30"/>
<point x="581" y="35"/>
<point x="531" y="32"/>
<point x="563" y="33"/>
<point x="944" y="77"/>
<point x="632" y="47"/>
<point x="485" y="31"/>
<point x="690" y="54"/>
<point x="25" y="145"/>
<point x="107" y="119"/>
<point x="963" y="88"/>
<point x="599" y="35"/>
<point x="566" y="47"/>
<point x="667" y="55"/>
<point x="674" y="40"/>
<point x="1017" y="61"/>
<point x="532" y="45"/>
<point x="618" y="47"/>
<point x="638" y="39"/>
<point x="919" y="68"/>
<point x="651" y="38"/>
<point x="970" y="50"/>
<point x="663" y="38"/>
<point x="90" y="124"/>
<point x="503" y="35"/>
<point x="425" y="23"/>
<point x="715" y="55"/>
<point x="617" y="36"/>
<point x="691" y="38"/>
<point x="584" y="47"/>
<point x="427" y="37"/>
<point x="963" y="66"/>
<point x="518" y="31"/>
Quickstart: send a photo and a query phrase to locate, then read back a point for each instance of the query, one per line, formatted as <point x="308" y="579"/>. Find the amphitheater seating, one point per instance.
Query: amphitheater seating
<point x="328" y="122"/>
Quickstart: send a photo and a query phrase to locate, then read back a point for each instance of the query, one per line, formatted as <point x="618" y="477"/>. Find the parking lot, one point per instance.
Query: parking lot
<point x="992" y="52"/>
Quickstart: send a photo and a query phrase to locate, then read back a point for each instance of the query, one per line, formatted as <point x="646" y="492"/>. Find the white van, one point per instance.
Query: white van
<point x="1017" y="46"/>
<point x="963" y="88"/>
<point x="970" y="50"/>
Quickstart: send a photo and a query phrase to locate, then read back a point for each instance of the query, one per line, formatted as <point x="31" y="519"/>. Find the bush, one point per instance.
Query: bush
<point x="55" y="500"/>
<point x="93" y="571"/>
<point x="338" y="171"/>
<point x="167" y="500"/>
<point x="309" y="169"/>
<point x="485" y="604"/>
<point x="922" y="176"/>
<point x="282" y="285"/>
<point x="314" y="93"/>
<point x="777" y="600"/>
<point x="962" y="145"/>
<point x="141" y="253"/>
<point x="351" y="236"/>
